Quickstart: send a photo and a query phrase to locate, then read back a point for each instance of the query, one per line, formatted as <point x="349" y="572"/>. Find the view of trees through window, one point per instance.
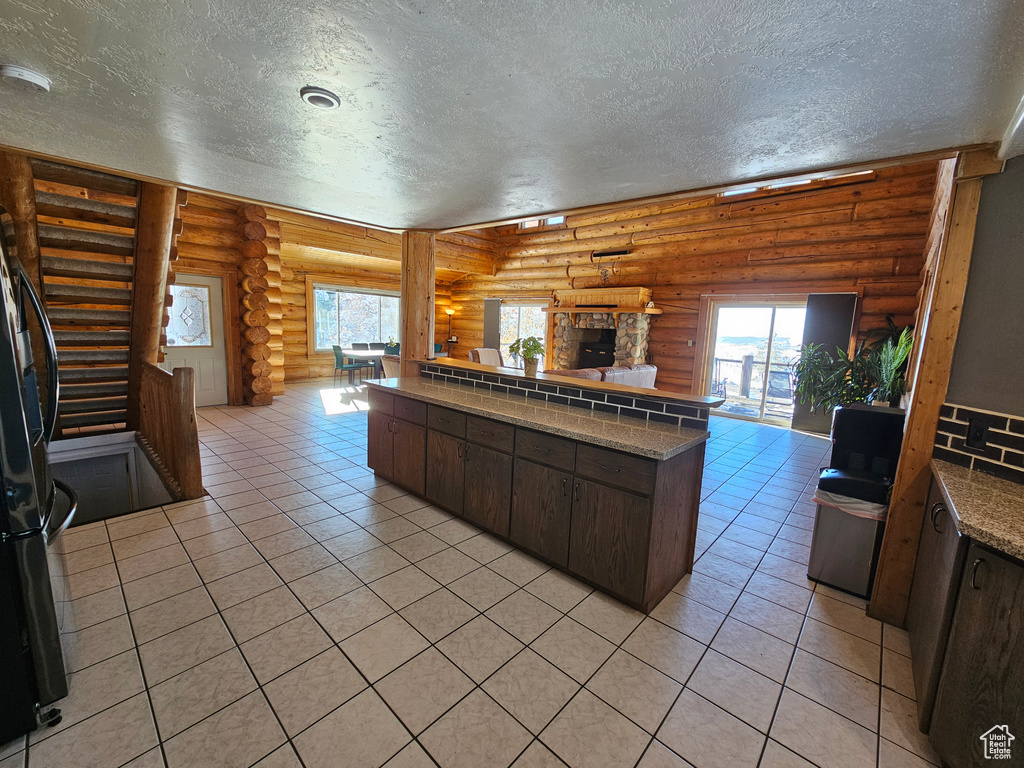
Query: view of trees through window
<point x="343" y="317"/>
<point x="519" y="322"/>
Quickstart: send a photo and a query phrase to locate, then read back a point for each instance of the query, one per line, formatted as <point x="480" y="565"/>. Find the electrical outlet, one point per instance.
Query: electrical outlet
<point x="977" y="434"/>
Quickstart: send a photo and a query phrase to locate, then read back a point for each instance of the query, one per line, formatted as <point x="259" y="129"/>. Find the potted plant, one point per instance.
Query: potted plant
<point x="889" y="360"/>
<point x="873" y="374"/>
<point x="529" y="349"/>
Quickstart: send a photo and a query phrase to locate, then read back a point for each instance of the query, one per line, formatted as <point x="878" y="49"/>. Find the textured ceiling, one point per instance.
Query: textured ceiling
<point x="460" y="111"/>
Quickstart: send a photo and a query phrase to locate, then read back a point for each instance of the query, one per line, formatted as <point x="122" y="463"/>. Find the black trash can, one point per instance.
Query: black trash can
<point x="853" y="497"/>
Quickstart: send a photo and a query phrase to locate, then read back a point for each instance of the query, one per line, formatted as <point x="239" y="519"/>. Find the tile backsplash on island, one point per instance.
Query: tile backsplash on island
<point x="1001" y="455"/>
<point x="566" y="394"/>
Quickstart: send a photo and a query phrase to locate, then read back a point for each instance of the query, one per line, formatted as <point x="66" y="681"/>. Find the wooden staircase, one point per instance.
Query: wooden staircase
<point x="87" y="231"/>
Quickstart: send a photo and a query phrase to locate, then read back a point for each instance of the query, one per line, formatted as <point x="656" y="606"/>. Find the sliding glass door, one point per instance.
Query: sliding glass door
<point x="753" y="347"/>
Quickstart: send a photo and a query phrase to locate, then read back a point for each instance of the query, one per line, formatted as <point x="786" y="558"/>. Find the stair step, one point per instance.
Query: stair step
<point x="92" y="419"/>
<point x="75" y="316"/>
<point x="87" y="294"/>
<point x="92" y="356"/>
<point x="92" y="338"/>
<point x="117" y="373"/>
<point x="81" y="209"/>
<point x="80" y="391"/>
<point x="69" y="239"/>
<point x="80" y="177"/>
<point x="64" y="266"/>
<point x="94" y="405"/>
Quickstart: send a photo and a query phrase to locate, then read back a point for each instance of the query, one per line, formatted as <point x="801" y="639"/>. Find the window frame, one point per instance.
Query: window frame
<point x="322" y="282"/>
<point x="542" y="225"/>
<point x="518" y="304"/>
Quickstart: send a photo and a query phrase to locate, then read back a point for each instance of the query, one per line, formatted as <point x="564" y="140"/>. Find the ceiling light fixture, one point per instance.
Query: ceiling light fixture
<point x="320" y="98"/>
<point x="26" y="79"/>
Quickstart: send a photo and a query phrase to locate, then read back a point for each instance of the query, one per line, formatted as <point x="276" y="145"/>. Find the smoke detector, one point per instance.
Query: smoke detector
<point x="320" y="98"/>
<point x="26" y="79"/>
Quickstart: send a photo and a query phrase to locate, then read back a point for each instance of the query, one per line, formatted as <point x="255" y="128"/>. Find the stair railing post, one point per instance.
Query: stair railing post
<point x="153" y="239"/>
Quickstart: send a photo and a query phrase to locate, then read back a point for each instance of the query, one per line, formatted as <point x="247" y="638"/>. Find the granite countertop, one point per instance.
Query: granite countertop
<point x="986" y="508"/>
<point x="620" y="433"/>
<point x="552" y="377"/>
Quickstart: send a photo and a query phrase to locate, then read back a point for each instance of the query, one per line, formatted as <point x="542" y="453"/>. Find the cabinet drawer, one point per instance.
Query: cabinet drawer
<point x="382" y="402"/>
<point x="633" y="473"/>
<point x="413" y="411"/>
<point x="546" y="449"/>
<point x="447" y="421"/>
<point x="493" y="434"/>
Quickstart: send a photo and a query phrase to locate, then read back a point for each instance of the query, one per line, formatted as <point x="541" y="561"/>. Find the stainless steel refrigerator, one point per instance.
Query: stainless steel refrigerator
<point x="33" y="512"/>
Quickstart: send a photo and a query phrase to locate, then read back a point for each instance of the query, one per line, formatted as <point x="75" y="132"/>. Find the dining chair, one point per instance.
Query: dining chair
<point x="375" y="345"/>
<point x="360" y="345"/>
<point x="341" y="364"/>
<point x="393" y="349"/>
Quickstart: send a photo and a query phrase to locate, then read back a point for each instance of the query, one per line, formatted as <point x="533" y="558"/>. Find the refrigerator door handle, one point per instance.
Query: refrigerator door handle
<point x="53" y="384"/>
<point x="50" y="534"/>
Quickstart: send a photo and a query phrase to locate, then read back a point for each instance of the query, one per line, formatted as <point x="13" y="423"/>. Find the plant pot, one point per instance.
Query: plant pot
<point x="530" y="366"/>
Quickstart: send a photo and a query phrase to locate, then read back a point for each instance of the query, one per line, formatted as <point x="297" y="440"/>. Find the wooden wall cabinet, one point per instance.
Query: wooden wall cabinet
<point x="623" y="523"/>
<point x="982" y="682"/>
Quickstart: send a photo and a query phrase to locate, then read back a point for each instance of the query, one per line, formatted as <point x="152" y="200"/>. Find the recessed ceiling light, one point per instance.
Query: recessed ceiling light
<point x="25" y="79"/>
<point x="320" y="98"/>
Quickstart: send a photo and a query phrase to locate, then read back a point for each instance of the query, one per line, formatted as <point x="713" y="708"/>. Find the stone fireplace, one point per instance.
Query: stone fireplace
<point x="573" y="331"/>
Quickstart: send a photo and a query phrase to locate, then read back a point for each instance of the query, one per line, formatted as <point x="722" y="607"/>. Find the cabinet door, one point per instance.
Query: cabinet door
<point x="541" y="510"/>
<point x="940" y="558"/>
<point x="982" y="683"/>
<point x="380" y="455"/>
<point x="609" y="538"/>
<point x="488" y="488"/>
<point x="446" y="470"/>
<point x="410" y="455"/>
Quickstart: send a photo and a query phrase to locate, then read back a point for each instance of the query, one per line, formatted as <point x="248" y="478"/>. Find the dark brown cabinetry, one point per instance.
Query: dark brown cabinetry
<point x="982" y="682"/>
<point x="488" y="486"/>
<point x="541" y="510"/>
<point x="446" y="470"/>
<point x="940" y="557"/>
<point x="396" y="447"/>
<point x="608" y="543"/>
<point x="624" y="523"/>
<point x="409" y="455"/>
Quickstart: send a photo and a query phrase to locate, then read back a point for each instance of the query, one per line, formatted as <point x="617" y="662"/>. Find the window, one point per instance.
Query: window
<point x="549" y="221"/>
<point x="190" y="317"/>
<point x="342" y="317"/>
<point x="519" y="321"/>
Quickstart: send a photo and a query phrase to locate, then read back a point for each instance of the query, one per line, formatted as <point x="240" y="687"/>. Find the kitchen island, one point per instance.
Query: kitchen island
<point x="608" y="498"/>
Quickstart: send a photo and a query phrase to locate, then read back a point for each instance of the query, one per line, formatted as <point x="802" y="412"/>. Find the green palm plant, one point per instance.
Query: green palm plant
<point x="889" y="361"/>
<point x="871" y="373"/>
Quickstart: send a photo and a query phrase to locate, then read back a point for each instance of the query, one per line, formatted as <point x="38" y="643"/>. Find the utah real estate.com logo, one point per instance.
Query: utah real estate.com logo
<point x="997" y="742"/>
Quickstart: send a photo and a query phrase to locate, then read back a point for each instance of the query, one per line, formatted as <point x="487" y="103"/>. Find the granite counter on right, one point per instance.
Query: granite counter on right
<point x="966" y="616"/>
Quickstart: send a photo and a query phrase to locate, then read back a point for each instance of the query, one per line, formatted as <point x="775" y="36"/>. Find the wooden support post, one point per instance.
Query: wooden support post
<point x="417" y="302"/>
<point x="256" y="366"/>
<point x="153" y="239"/>
<point x="18" y="197"/>
<point x="939" y="322"/>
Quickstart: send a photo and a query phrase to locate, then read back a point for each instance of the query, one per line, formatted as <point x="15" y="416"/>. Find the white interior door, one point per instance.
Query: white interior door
<point x="195" y="336"/>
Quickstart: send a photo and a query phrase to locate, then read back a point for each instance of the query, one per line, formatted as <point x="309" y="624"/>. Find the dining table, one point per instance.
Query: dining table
<point x="370" y="356"/>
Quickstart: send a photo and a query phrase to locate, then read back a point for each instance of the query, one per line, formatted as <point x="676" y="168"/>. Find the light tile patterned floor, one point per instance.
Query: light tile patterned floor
<point x="308" y="614"/>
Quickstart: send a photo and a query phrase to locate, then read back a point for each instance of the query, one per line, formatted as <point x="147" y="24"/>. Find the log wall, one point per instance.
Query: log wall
<point x="866" y="234"/>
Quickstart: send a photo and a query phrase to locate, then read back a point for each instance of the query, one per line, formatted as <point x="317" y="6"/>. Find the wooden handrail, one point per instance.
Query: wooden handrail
<point x="167" y="428"/>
